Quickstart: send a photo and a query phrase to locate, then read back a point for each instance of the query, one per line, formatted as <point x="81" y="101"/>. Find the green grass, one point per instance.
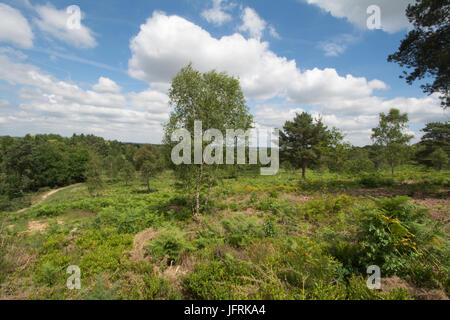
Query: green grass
<point x="263" y="237"/>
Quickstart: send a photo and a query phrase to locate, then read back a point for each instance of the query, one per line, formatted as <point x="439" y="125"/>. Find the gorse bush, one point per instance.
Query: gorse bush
<point x="395" y="235"/>
<point x="383" y="241"/>
<point x="400" y="208"/>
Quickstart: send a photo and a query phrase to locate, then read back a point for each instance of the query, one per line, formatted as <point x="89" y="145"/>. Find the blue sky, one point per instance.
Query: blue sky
<point x="110" y="76"/>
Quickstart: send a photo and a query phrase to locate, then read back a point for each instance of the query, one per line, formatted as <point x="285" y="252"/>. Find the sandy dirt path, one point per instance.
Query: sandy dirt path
<point x="46" y="195"/>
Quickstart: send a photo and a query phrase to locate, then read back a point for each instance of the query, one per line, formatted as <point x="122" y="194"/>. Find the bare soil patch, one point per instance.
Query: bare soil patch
<point x="46" y="195"/>
<point x="376" y="193"/>
<point x="176" y="273"/>
<point x="389" y="284"/>
<point x="16" y="289"/>
<point x="297" y="198"/>
<point x="439" y="208"/>
<point x="36" y="226"/>
<point x="238" y="198"/>
<point x="140" y="241"/>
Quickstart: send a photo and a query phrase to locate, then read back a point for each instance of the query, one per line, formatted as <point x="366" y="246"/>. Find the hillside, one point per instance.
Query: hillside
<point x="274" y="237"/>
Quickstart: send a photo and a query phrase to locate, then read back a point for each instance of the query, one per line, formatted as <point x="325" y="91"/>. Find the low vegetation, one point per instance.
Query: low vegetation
<point x="279" y="238"/>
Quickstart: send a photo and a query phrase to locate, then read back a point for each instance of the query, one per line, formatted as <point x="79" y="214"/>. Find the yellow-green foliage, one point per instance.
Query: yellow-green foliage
<point x="260" y="238"/>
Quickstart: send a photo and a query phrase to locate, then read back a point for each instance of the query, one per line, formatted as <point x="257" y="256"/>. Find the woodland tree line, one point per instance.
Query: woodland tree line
<point x="47" y="161"/>
<point x="31" y="163"/>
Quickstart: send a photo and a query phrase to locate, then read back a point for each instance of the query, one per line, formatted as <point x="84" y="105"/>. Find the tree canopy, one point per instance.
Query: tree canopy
<point x="301" y="139"/>
<point x="436" y="136"/>
<point x="215" y="99"/>
<point x="426" y="48"/>
<point x="390" y="135"/>
<point x="150" y="162"/>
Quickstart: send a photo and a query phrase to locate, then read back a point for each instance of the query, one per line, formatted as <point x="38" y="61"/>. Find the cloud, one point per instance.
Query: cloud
<point x="393" y="16"/>
<point x="273" y="115"/>
<point x="4" y="103"/>
<point x="13" y="53"/>
<point x="150" y="100"/>
<point x="162" y="47"/>
<point x="29" y="75"/>
<point x="252" y="23"/>
<point x="337" y="46"/>
<point x="218" y="13"/>
<point x="165" y="44"/>
<point x="51" y="105"/>
<point x="357" y="118"/>
<point x="342" y="99"/>
<point x="332" y="49"/>
<point x="319" y="87"/>
<point x="14" y="27"/>
<point x="55" y="23"/>
<point x="273" y="32"/>
<point x="106" y="85"/>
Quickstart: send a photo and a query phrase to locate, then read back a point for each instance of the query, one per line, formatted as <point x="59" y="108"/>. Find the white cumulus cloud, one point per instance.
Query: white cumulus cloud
<point x="165" y="44"/>
<point x="106" y="85"/>
<point x="14" y="27"/>
<point x="393" y="16"/>
<point x="55" y="23"/>
<point x="338" y="45"/>
<point x="150" y="100"/>
<point x="252" y="23"/>
<point x="218" y="14"/>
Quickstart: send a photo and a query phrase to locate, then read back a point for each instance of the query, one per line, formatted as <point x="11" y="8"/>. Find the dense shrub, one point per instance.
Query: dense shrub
<point x="130" y="221"/>
<point x="271" y="269"/>
<point x="375" y="180"/>
<point x="142" y="281"/>
<point x="325" y="185"/>
<point x="384" y="241"/>
<point x="48" y="273"/>
<point x="240" y="229"/>
<point x="103" y="250"/>
<point x="323" y="209"/>
<point x="397" y="236"/>
<point x="170" y="243"/>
